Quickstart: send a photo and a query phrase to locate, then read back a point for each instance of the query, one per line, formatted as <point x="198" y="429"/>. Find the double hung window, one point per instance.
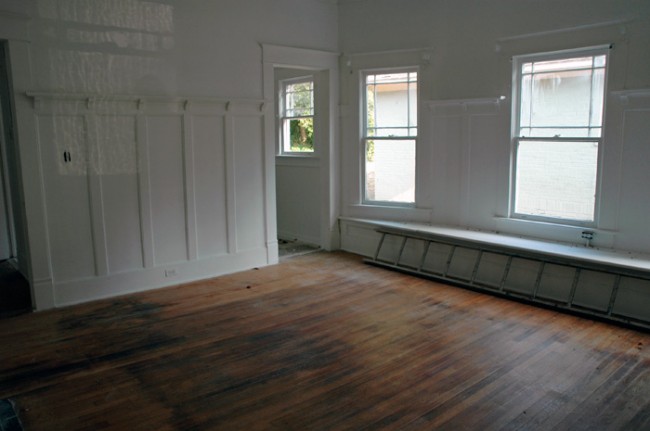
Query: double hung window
<point x="297" y="116"/>
<point x="557" y="134"/>
<point x="389" y="136"/>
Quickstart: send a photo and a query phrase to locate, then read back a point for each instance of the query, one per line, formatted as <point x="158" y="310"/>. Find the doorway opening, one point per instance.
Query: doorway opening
<point x="15" y="297"/>
<point x="298" y="102"/>
<point x="303" y="189"/>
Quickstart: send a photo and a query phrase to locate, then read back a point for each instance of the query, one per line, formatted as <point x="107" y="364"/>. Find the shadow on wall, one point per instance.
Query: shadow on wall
<point x="121" y="54"/>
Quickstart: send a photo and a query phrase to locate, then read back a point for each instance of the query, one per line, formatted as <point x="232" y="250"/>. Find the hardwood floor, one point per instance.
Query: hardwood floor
<point x="321" y="342"/>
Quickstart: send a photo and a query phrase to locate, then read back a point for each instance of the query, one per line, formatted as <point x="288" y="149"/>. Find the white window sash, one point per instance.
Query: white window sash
<point x="518" y="61"/>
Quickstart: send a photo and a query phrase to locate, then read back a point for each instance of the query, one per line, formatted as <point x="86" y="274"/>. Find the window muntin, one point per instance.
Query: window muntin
<point x="557" y="136"/>
<point x="297" y="116"/>
<point x="390" y="133"/>
<point x="562" y="97"/>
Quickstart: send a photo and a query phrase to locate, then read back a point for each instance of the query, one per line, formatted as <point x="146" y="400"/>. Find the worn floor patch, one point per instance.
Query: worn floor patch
<point x="8" y="417"/>
<point x="290" y="248"/>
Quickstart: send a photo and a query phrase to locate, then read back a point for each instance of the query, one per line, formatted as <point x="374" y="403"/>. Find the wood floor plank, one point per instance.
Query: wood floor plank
<point x="318" y="342"/>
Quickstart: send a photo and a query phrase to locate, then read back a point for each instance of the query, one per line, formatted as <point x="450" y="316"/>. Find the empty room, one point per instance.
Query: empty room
<point x="324" y="214"/>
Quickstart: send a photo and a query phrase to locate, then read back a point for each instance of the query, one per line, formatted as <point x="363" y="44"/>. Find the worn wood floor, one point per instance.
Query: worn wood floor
<point x="321" y="342"/>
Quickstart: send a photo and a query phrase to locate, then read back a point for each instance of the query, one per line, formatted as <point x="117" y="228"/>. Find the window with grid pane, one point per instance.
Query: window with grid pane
<point x="297" y="116"/>
<point x="557" y="136"/>
<point x="389" y="138"/>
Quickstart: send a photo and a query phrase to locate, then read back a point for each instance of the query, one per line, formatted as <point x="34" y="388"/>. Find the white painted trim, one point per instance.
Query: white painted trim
<point x="231" y="198"/>
<point x="35" y="258"/>
<point x="151" y="275"/>
<point x="384" y="212"/>
<point x="633" y="92"/>
<point x="607" y="32"/>
<point x="632" y="99"/>
<point x="634" y="261"/>
<point x="286" y="56"/>
<point x="144" y="187"/>
<point x="325" y="61"/>
<point x="466" y="107"/>
<point x="43" y="294"/>
<point x="96" y="202"/>
<point x="600" y="25"/>
<point x="388" y="52"/>
<point x="190" y="199"/>
<point x="465" y="102"/>
<point x="352" y="133"/>
<point x="185" y="101"/>
<point x="78" y="291"/>
<point x="554" y="231"/>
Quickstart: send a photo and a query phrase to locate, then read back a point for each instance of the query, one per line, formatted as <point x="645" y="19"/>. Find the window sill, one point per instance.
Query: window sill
<point x="554" y="231"/>
<point x="386" y="212"/>
<point x="511" y="244"/>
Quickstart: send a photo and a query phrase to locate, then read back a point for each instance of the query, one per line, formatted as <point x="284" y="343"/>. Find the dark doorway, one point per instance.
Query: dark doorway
<point x="14" y="288"/>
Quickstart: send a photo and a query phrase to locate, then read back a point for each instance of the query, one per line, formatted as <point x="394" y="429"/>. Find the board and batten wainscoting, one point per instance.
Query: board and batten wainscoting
<point x="143" y="192"/>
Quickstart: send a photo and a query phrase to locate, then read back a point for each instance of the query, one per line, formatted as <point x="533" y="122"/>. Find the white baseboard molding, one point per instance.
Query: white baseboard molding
<point x="78" y="291"/>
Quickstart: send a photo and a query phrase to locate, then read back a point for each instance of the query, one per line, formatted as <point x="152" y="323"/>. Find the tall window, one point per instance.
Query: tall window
<point x="389" y="137"/>
<point x="297" y="116"/>
<point x="557" y="135"/>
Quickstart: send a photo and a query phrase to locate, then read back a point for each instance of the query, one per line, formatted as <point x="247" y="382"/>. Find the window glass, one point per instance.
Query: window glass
<point x="390" y="117"/>
<point x="557" y="179"/>
<point x="562" y="97"/>
<point x="391" y="104"/>
<point x="297" y="119"/>
<point x="557" y="136"/>
<point x="390" y="170"/>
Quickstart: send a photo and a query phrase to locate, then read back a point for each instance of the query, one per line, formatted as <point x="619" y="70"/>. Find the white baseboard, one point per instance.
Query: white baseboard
<point x="78" y="291"/>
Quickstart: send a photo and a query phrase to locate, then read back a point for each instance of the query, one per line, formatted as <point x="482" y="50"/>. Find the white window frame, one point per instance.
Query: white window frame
<point x="282" y="128"/>
<point x="364" y="134"/>
<point x="516" y="126"/>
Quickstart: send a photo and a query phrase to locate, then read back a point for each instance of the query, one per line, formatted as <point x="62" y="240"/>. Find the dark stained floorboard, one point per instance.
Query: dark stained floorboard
<point x="321" y="342"/>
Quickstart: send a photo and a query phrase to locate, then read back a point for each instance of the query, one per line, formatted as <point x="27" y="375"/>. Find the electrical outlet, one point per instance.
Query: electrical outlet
<point x="588" y="235"/>
<point x="170" y="272"/>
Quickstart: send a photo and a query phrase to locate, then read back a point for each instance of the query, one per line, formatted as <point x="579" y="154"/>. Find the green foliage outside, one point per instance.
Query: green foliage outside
<point x="302" y="134"/>
<point x="370" y="109"/>
<point x="300" y="100"/>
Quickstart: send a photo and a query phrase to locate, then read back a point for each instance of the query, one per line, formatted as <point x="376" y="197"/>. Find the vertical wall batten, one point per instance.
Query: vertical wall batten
<point x="144" y="187"/>
<point x="143" y="193"/>
<point x="189" y="177"/>
<point x="230" y="182"/>
<point x="95" y="197"/>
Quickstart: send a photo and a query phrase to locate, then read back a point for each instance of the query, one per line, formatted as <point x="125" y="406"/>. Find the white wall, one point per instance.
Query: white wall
<point x="169" y="183"/>
<point x="299" y="199"/>
<point x="194" y="197"/>
<point x="463" y="50"/>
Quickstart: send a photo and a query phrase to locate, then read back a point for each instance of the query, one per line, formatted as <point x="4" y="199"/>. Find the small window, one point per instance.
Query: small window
<point x="557" y="135"/>
<point x="297" y="116"/>
<point x="389" y="138"/>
